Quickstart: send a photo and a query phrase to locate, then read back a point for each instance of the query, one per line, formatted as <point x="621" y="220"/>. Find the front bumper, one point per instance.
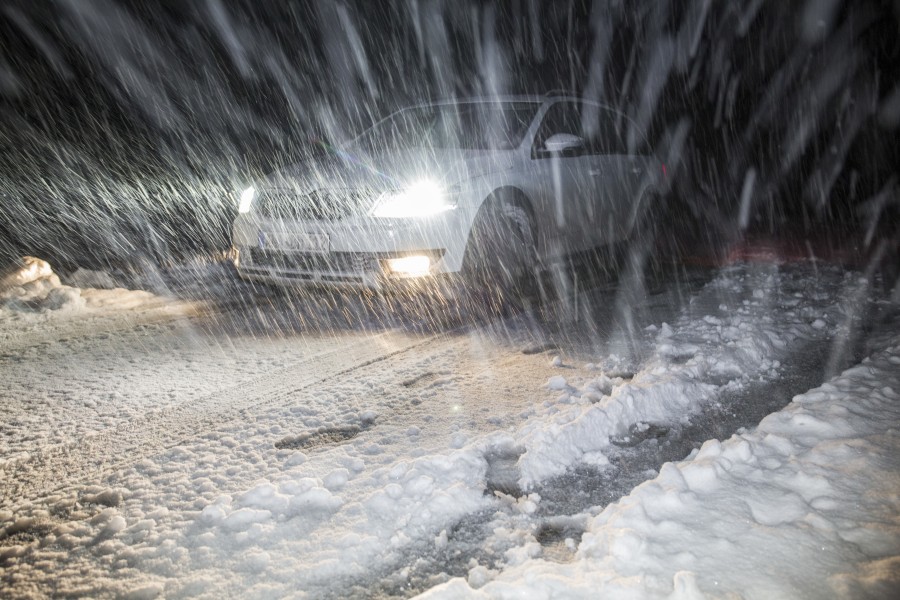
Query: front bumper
<point x="334" y="269"/>
<point x="355" y="251"/>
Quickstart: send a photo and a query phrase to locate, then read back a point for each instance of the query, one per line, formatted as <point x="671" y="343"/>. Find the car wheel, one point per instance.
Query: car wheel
<point x="500" y="259"/>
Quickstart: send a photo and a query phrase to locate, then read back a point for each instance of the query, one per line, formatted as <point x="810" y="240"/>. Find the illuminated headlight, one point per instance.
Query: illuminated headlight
<point x="409" y="266"/>
<point x="421" y="199"/>
<point x="247" y="197"/>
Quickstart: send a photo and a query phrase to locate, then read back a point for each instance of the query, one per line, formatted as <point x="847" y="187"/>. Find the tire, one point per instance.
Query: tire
<point x="499" y="263"/>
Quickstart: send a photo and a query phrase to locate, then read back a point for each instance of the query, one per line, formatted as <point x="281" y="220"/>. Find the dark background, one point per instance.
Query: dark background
<point x="128" y="128"/>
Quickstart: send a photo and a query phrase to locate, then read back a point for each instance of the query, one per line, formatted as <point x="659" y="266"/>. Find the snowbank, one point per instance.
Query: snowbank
<point x="807" y="505"/>
<point x="31" y="287"/>
<point x="735" y="332"/>
<point x="24" y="271"/>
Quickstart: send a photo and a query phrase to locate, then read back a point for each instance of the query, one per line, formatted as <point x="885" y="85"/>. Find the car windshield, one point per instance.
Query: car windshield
<point x="472" y="126"/>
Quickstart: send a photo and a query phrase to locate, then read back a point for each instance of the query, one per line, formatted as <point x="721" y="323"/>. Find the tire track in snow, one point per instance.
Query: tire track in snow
<point x="86" y="327"/>
<point x="90" y="458"/>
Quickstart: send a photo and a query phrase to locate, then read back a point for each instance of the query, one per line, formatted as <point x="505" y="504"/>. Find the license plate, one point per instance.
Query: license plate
<point x="294" y="241"/>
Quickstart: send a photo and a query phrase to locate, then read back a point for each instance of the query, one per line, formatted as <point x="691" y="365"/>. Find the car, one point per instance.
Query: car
<point x="481" y="191"/>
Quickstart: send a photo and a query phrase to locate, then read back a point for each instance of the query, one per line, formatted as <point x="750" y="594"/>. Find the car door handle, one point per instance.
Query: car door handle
<point x="595" y="172"/>
<point x="637" y="170"/>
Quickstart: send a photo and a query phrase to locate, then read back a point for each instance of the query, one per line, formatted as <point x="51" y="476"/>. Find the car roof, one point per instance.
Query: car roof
<point x="480" y="100"/>
<point x="510" y="98"/>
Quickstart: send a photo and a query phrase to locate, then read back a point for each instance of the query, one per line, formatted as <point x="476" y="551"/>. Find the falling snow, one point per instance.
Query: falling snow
<point x="698" y="400"/>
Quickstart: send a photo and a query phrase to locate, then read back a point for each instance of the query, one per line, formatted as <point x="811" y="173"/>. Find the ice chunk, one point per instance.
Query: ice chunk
<point x="147" y="591"/>
<point x="440" y="541"/>
<point x="297" y="458"/>
<point x="557" y="382"/>
<point x="243" y="518"/>
<point x="116" y="524"/>
<point x="479" y="576"/>
<point x="458" y="440"/>
<point x="314" y="501"/>
<point x="337" y="479"/>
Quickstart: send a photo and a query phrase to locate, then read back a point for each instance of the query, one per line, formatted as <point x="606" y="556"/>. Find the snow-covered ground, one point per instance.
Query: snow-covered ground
<point x="153" y="447"/>
<point x="806" y="505"/>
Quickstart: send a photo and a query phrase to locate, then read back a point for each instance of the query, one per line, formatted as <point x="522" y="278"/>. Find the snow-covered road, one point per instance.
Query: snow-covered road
<point x="207" y="447"/>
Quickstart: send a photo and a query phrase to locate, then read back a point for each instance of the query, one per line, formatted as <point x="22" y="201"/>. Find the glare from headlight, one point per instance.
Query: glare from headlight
<point x="421" y="199"/>
<point x="246" y="200"/>
<point x="410" y="266"/>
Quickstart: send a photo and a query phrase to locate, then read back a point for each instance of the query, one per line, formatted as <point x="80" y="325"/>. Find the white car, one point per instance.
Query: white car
<point x="477" y="190"/>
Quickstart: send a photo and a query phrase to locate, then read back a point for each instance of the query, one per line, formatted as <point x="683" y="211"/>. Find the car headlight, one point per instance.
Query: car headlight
<point x="247" y="197"/>
<point x="421" y="199"/>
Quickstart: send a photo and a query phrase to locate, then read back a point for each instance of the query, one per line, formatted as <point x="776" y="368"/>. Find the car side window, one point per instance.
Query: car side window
<point x="561" y="117"/>
<point x="596" y="125"/>
<point x="600" y="130"/>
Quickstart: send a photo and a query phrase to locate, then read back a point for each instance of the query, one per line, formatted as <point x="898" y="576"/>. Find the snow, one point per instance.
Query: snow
<point x="557" y="382"/>
<point x="26" y="271"/>
<point x="34" y="289"/>
<point x="804" y="506"/>
<point x="695" y="361"/>
<point x="179" y="462"/>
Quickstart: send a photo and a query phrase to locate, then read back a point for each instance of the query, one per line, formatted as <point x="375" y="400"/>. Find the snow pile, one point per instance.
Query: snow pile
<point x="749" y="319"/>
<point x="302" y="516"/>
<point x="304" y="497"/>
<point x="25" y="271"/>
<point x="280" y="535"/>
<point x="32" y="287"/>
<point x="807" y="505"/>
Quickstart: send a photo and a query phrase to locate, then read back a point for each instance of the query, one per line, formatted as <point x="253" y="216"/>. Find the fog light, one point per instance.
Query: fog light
<point x="409" y="266"/>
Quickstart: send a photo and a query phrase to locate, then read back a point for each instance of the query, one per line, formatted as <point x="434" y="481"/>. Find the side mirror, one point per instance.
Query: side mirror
<point x="559" y="143"/>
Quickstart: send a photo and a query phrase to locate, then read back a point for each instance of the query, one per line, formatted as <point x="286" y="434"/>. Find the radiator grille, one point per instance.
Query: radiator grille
<point x="318" y="205"/>
<point x="336" y="262"/>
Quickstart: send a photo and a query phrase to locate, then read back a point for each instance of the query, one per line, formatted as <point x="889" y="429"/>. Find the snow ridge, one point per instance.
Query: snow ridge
<point x="739" y="339"/>
<point x="807" y="505"/>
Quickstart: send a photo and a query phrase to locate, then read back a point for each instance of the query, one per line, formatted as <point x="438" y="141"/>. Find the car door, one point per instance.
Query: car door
<point x="560" y="185"/>
<point x="616" y="176"/>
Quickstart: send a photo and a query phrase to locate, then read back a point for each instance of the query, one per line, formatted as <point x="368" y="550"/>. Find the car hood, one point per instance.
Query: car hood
<point x="389" y="170"/>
